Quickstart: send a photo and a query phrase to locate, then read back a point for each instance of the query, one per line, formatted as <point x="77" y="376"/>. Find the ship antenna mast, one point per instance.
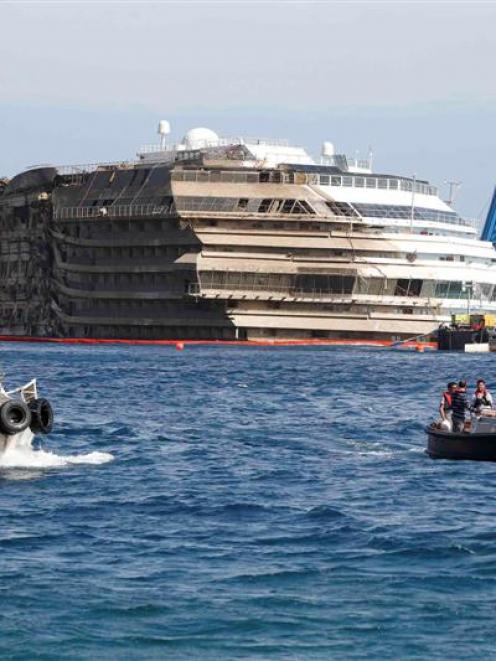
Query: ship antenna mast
<point x="412" y="209"/>
<point x="453" y="188"/>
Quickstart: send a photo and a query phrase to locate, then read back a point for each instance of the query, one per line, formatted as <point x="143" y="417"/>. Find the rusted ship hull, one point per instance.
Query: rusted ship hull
<point x="73" y="264"/>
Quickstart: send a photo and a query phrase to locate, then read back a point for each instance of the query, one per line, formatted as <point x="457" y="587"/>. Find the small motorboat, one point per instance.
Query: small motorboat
<point x="476" y="442"/>
<point x="22" y="415"/>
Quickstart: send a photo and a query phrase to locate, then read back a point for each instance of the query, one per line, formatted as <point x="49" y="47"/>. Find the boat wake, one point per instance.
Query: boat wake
<point x="25" y="456"/>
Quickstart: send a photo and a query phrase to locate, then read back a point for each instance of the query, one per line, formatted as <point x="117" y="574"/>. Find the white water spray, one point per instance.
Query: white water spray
<point x="21" y="454"/>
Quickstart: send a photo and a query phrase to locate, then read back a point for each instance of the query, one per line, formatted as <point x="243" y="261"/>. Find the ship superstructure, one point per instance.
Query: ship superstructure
<point x="234" y="238"/>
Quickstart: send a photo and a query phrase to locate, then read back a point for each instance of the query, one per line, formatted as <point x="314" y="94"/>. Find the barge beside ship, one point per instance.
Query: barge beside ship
<point x="234" y="239"/>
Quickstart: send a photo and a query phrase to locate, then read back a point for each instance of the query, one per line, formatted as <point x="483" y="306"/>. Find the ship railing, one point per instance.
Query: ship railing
<point x="238" y="289"/>
<point x="117" y="211"/>
<point x="255" y="140"/>
<point x="205" y="206"/>
<point x="92" y="167"/>
<point x="208" y="144"/>
<point x="203" y="210"/>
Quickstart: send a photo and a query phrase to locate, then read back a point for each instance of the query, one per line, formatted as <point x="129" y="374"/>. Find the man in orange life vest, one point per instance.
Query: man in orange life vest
<point x="482" y="397"/>
<point x="447" y="401"/>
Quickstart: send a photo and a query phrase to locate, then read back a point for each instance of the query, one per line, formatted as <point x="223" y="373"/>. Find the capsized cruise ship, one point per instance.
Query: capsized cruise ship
<point x="234" y="239"/>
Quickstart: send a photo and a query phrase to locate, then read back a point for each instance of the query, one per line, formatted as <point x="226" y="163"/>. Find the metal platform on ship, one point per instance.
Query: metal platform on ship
<point x="474" y="333"/>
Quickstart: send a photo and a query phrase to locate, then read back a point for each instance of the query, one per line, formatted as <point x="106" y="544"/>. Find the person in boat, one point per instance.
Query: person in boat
<point x="459" y="406"/>
<point x="482" y="398"/>
<point x="445" y="405"/>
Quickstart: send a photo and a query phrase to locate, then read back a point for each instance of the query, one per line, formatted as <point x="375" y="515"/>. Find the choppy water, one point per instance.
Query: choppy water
<point x="244" y="503"/>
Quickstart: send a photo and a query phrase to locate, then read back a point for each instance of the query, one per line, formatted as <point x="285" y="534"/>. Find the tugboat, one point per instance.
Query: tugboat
<point x="477" y="442"/>
<point x="22" y="415"/>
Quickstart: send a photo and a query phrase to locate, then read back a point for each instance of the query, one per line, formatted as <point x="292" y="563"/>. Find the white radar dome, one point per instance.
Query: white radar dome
<point x="200" y="137"/>
<point x="327" y="149"/>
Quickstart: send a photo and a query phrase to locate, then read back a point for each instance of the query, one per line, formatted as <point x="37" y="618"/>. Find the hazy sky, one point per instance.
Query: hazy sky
<point x="81" y="82"/>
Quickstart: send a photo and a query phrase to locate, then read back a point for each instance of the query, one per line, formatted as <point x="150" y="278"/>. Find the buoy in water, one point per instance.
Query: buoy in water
<point x="179" y="346"/>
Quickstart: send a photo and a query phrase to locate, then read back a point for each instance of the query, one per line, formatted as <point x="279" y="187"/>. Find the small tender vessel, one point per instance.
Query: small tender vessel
<point x="22" y="415"/>
<point x="477" y="442"/>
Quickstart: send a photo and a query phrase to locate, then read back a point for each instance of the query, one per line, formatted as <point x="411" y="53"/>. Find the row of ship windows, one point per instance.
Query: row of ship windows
<point x="117" y="227"/>
<point x="337" y="208"/>
<point x="244" y="204"/>
<point x="143" y="281"/>
<point x="15" y="268"/>
<point x="89" y="254"/>
<point x="336" y="284"/>
<point x="14" y="247"/>
<point x="383" y="183"/>
<point x="233" y="177"/>
<point x="292" y="206"/>
<point x="266" y="224"/>
<point x="106" y="307"/>
<point x="154" y="332"/>
<point x="357" y="181"/>
<point x="439" y="289"/>
<point x="116" y="176"/>
<point x="173" y="251"/>
<point x="315" y="284"/>
<point x="397" y="211"/>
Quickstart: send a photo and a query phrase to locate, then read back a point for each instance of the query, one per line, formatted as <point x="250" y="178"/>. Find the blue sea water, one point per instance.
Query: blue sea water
<point x="235" y="503"/>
